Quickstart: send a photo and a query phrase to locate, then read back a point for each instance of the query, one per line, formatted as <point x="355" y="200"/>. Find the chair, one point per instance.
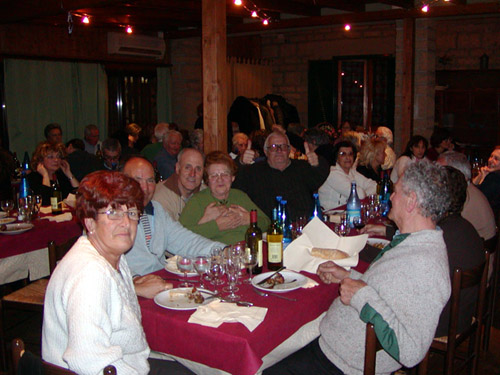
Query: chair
<point x="31" y="297"/>
<point x="476" y="276"/>
<point x="491" y="290"/>
<point x="49" y="369"/>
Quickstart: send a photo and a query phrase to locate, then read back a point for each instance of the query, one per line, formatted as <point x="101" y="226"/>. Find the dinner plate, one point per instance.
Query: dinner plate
<point x="287" y="286"/>
<point x="172" y="268"/>
<point x="16" y="228"/>
<point x="177" y="299"/>
<point x="377" y="242"/>
<point x="7" y="220"/>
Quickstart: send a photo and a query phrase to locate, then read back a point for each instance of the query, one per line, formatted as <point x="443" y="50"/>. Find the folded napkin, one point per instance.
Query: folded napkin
<point x="215" y="313"/>
<point x="310" y="283"/>
<point x="297" y="255"/>
<point x="59" y="218"/>
<point x="46" y="210"/>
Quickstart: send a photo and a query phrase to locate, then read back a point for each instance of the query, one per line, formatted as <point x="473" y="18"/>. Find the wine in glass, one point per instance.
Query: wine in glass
<point x="358" y="222"/>
<point x="201" y="265"/>
<point x="7" y="206"/>
<point x="249" y="260"/>
<point x="232" y="267"/>
<point x="185" y="264"/>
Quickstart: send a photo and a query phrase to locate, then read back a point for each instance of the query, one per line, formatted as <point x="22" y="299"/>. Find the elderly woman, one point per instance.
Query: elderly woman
<point x="91" y="313"/>
<point x="415" y="151"/>
<point x="219" y="212"/>
<point x="337" y="187"/>
<point x="49" y="168"/>
<point x="371" y="158"/>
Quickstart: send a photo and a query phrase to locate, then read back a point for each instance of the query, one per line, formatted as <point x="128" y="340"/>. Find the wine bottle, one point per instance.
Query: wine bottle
<point x="274" y="244"/>
<point x="353" y="205"/>
<point x="279" y="209"/>
<point x="285" y="224"/>
<point x="385" y="195"/>
<point x="253" y="240"/>
<point x="56" y="198"/>
<point x="26" y="162"/>
<point x="24" y="188"/>
<point x="317" y="208"/>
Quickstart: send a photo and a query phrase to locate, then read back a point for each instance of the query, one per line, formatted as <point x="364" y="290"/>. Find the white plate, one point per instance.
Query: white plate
<point x="176" y="299"/>
<point x="16" y="228"/>
<point x="377" y="242"/>
<point x="287" y="286"/>
<point x="7" y="220"/>
<point x="172" y="268"/>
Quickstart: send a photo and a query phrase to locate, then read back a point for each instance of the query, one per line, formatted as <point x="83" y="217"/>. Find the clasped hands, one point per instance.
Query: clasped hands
<point x="226" y="217"/>
<point x="329" y="273"/>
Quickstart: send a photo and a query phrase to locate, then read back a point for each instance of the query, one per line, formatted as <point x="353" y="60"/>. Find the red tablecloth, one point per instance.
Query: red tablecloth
<point x="231" y="347"/>
<point x="38" y="237"/>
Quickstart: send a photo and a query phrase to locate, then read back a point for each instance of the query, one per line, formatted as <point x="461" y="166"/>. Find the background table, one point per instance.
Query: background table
<point x="231" y="347"/>
<point x="26" y="254"/>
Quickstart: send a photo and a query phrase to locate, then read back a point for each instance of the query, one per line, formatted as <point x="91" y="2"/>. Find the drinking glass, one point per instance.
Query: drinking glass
<point x="237" y="250"/>
<point x="343" y="228"/>
<point x="232" y="267"/>
<point x="215" y="271"/>
<point x="249" y="260"/>
<point x="38" y="202"/>
<point x="7" y="206"/>
<point x="298" y="226"/>
<point x="358" y="222"/>
<point x="185" y="264"/>
<point x="201" y="266"/>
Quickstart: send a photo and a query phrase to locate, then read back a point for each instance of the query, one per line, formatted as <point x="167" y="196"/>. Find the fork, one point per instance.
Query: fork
<point x="263" y="294"/>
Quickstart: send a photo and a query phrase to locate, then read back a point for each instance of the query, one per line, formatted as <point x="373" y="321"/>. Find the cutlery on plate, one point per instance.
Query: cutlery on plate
<point x="178" y="279"/>
<point x="217" y="295"/>
<point x="263" y="294"/>
<point x="270" y="277"/>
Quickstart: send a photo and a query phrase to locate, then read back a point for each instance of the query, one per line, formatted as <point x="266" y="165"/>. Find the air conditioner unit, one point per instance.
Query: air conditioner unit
<point x="136" y="45"/>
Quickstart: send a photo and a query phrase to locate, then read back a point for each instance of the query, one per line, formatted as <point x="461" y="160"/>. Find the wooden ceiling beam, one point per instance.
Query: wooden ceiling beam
<point x="283" y="6"/>
<point x="405" y="4"/>
<point x="346" y="6"/>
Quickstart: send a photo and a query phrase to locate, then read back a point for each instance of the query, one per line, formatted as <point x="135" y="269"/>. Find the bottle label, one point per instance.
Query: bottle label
<point x="275" y="252"/>
<point x="351" y="214"/>
<point x="53" y="203"/>
<point x="260" y="258"/>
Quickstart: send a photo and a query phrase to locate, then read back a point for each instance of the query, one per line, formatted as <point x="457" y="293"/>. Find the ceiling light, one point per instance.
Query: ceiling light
<point x="347" y="27"/>
<point x="265" y="22"/>
<point x="237" y="2"/>
<point x="254" y="14"/>
<point x="425" y="8"/>
<point x="86" y="20"/>
<point x="129" y="30"/>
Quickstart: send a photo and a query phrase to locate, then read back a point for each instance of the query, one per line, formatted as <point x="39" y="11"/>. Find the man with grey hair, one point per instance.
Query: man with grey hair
<point x="167" y="157"/>
<point x="151" y="150"/>
<point x="175" y="191"/>
<point x="402" y="293"/>
<point x="294" y="180"/>
<point x="476" y="209"/>
<point x="91" y="139"/>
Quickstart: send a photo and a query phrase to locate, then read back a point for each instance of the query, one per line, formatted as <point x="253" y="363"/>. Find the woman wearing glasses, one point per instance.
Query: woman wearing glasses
<point x="219" y="212"/>
<point x="91" y="314"/>
<point x="337" y="187"/>
<point x="49" y="168"/>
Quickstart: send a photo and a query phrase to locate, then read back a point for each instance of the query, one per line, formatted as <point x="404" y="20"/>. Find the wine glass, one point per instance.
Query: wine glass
<point x="201" y="266"/>
<point x="232" y="267"/>
<point x="7" y="206"/>
<point x="249" y="260"/>
<point x="185" y="264"/>
<point x="358" y="222"/>
<point x="342" y="228"/>
<point x="237" y="250"/>
<point x="215" y="271"/>
<point x="38" y="202"/>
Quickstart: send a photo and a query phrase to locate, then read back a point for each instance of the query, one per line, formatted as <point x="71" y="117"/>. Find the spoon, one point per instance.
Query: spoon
<point x="261" y="293"/>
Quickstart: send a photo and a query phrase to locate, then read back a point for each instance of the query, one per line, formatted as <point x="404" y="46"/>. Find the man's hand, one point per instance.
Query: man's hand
<point x="312" y="157"/>
<point x="348" y="288"/>
<point x="249" y="155"/>
<point x="149" y="286"/>
<point x="242" y="212"/>
<point x="373" y="230"/>
<point x="212" y="212"/>
<point x="329" y="272"/>
<point x="229" y="220"/>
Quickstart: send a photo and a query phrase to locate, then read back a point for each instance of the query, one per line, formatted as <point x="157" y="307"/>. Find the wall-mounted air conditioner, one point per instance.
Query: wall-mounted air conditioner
<point x="136" y="45"/>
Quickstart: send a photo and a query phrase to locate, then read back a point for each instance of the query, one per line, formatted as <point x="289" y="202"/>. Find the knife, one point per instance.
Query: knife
<point x="270" y="277"/>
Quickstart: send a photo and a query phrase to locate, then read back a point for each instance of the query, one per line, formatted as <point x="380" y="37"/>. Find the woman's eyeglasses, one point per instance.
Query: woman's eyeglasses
<point x="223" y="175"/>
<point x="118" y="214"/>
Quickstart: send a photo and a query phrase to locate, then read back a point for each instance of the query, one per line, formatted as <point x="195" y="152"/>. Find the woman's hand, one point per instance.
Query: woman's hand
<point x="229" y="220"/>
<point x="242" y="212"/>
<point x="212" y="212"/>
<point x="483" y="172"/>
<point x="40" y="168"/>
<point x="148" y="286"/>
<point x="67" y="171"/>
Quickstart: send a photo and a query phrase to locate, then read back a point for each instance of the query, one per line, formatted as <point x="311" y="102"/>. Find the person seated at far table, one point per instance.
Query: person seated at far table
<point x="157" y="233"/>
<point x="384" y="134"/>
<point x="80" y="161"/>
<point x="295" y="180"/>
<point x="220" y="212"/>
<point x="371" y="158"/>
<point x="402" y="293"/>
<point x="477" y="209"/>
<point x="488" y="180"/>
<point x="91" y="314"/>
<point x="175" y="191"/>
<point x="50" y="167"/>
<point x="337" y="187"/>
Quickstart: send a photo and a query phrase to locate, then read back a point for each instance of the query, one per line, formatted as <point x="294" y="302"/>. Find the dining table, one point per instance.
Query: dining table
<point x="232" y="348"/>
<point x="25" y="254"/>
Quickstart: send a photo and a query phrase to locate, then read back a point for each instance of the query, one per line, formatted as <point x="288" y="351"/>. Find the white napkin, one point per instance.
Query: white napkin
<point x="310" y="283"/>
<point x="46" y="210"/>
<point x="215" y="313"/>
<point x="70" y="200"/>
<point x="297" y="255"/>
<point x="59" y="218"/>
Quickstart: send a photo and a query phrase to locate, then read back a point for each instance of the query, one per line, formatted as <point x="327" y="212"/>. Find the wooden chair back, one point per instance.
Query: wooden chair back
<point x="49" y="369"/>
<point x="372" y="345"/>
<point x="57" y="252"/>
<point x="491" y="245"/>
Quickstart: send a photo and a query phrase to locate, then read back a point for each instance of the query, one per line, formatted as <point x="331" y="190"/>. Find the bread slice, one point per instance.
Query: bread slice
<point x="330" y="254"/>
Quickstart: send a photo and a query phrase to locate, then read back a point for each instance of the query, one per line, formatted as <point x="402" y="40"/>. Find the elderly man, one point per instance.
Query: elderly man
<point x="402" y="293"/>
<point x="91" y="139"/>
<point x="151" y="150"/>
<point x="53" y="133"/>
<point x="167" y="157"/>
<point x="476" y="209"/>
<point x="294" y="180"/>
<point x="111" y="153"/>
<point x="240" y="144"/>
<point x="157" y="232"/>
<point x="175" y="191"/>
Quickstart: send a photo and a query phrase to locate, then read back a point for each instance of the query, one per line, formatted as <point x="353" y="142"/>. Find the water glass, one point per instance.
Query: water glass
<point x="216" y="269"/>
<point x="249" y="260"/>
<point x="343" y="227"/>
<point x="201" y="265"/>
<point x="7" y="206"/>
<point x="232" y="267"/>
<point x="185" y="264"/>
